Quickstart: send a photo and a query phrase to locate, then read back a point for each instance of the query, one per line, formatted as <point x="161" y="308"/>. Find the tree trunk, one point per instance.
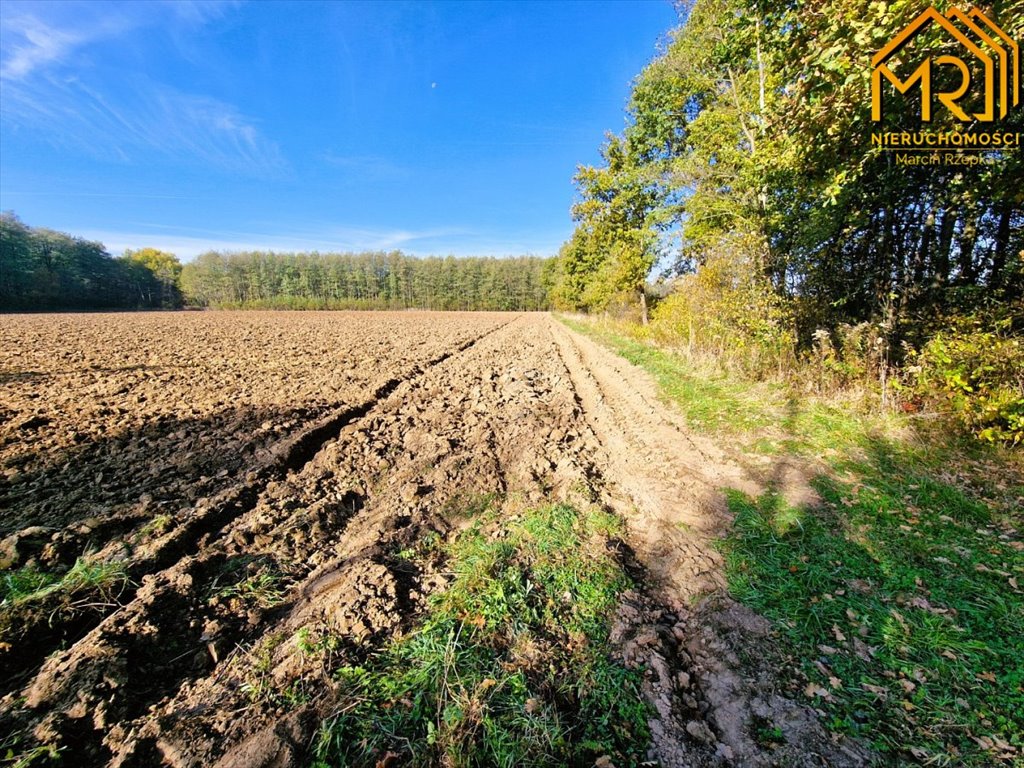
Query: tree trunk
<point x="643" y="306"/>
<point x="940" y="268"/>
<point x="968" y="273"/>
<point x="1002" y="245"/>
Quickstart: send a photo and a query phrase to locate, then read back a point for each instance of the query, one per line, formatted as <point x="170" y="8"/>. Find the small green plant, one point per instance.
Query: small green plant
<point x="263" y="589"/>
<point x="259" y="660"/>
<point x="250" y="579"/>
<point x="26" y="585"/>
<point x="15" y="752"/>
<point x="427" y="545"/>
<point x="321" y="646"/>
<point x="768" y="735"/>
<point x="156" y="527"/>
<point x="511" y="666"/>
<point x="46" y="754"/>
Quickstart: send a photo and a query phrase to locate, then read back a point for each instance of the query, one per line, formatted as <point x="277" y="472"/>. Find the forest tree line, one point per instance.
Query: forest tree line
<point x="378" y="280"/>
<point x="790" y="241"/>
<point x="45" y="270"/>
<point x="41" y="269"/>
<point x="748" y="149"/>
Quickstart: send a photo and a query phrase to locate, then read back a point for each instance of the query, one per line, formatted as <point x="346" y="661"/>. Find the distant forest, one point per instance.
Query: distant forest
<point x="45" y="270"/>
<point x="366" y="281"/>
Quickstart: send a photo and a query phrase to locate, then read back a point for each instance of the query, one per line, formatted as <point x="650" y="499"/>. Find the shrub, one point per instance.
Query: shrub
<point x="728" y="309"/>
<point x="852" y="358"/>
<point x="975" y="372"/>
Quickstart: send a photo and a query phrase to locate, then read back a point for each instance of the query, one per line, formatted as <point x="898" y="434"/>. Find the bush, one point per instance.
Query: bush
<point x="976" y="374"/>
<point x="728" y="309"/>
<point x="854" y="358"/>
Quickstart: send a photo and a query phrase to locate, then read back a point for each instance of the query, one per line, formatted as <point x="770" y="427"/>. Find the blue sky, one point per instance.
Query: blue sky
<point x="426" y="127"/>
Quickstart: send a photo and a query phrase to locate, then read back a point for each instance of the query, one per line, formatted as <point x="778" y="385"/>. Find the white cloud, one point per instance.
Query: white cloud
<point x="34" y="45"/>
<point x="50" y="91"/>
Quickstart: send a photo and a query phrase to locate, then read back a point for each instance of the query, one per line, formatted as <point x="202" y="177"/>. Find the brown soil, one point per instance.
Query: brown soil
<point x="215" y="452"/>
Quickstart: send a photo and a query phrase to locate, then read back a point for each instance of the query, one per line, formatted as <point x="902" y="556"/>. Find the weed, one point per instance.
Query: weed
<point x="155" y="527"/>
<point x="25" y="584"/>
<point x="28" y="585"/>
<point x="259" y="681"/>
<point x="323" y="647"/>
<point x="263" y="589"/>
<point x="251" y="580"/>
<point x="424" y="547"/>
<point x="767" y="735"/>
<point x="42" y="754"/>
<point x="15" y="752"/>
<point x="511" y="666"/>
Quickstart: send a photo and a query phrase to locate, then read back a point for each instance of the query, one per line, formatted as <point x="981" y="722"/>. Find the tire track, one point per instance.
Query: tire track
<point x="686" y="631"/>
<point x="160" y="604"/>
<point x="671" y="480"/>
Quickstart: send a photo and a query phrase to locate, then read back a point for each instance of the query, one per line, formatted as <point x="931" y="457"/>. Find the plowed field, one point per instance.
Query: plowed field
<point x="207" y="491"/>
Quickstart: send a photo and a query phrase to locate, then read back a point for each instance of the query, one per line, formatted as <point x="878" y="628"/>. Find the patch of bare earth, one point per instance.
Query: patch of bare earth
<point x="289" y="459"/>
<point x="710" y="677"/>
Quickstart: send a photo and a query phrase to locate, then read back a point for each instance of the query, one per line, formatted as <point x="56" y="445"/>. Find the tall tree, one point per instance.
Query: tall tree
<point x="166" y="268"/>
<point x="754" y="126"/>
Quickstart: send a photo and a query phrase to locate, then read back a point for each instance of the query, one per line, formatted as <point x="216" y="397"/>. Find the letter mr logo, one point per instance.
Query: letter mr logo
<point x="992" y="52"/>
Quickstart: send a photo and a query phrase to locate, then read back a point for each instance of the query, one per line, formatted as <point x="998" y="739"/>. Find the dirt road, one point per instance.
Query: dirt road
<point x="303" y="465"/>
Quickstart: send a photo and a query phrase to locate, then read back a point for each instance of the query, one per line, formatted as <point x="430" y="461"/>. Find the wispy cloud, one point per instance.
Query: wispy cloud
<point x="33" y="44"/>
<point x="51" y="91"/>
<point x="201" y="11"/>
<point x="151" y="117"/>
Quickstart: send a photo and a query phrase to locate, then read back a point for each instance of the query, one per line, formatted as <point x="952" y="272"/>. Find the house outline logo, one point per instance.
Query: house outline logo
<point x="998" y="67"/>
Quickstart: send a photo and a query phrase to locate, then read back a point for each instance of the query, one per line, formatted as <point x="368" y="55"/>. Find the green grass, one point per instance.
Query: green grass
<point x="898" y="600"/>
<point x="157" y="526"/>
<point x="28" y="584"/>
<point x="34" y="756"/>
<point x="251" y="579"/>
<point x="263" y="589"/>
<point x="511" y="666"/>
<point x="710" y="400"/>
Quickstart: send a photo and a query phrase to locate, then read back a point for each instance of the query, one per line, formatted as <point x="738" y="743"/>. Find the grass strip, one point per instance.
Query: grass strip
<point x="899" y="598"/>
<point x="511" y="666"/>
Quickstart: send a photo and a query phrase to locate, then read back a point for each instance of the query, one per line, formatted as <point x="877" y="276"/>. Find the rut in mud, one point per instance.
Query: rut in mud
<point x="308" y="488"/>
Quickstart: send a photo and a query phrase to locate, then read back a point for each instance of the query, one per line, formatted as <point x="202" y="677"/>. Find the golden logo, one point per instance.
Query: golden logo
<point x="997" y="55"/>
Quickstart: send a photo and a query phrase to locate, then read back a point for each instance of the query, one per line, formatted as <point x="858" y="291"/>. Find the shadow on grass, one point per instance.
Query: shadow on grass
<point x="898" y="598"/>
